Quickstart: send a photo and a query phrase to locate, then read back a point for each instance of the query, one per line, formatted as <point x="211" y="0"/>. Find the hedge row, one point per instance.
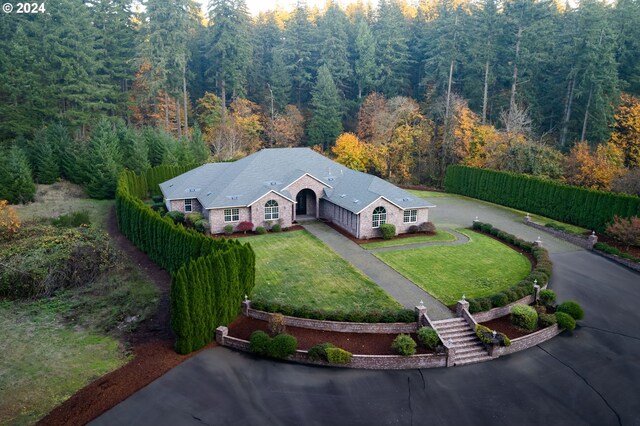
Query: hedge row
<point x="373" y="316"/>
<point x="540" y="273"/>
<point x="209" y="277"/>
<point x="148" y="184"/>
<point x="580" y="206"/>
<point x="606" y="248"/>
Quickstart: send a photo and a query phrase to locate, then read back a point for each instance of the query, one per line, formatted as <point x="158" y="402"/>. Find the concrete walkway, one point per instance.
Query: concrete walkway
<point x="397" y="286"/>
<point x="460" y="239"/>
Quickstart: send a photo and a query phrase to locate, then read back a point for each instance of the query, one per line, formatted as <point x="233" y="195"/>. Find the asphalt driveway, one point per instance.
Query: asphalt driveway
<point x="588" y="377"/>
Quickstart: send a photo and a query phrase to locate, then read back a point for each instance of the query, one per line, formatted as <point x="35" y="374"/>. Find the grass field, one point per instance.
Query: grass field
<point x="296" y="268"/>
<point x="479" y="268"/>
<point x="51" y="348"/>
<point x="574" y="229"/>
<point x="44" y="360"/>
<point x="440" y="236"/>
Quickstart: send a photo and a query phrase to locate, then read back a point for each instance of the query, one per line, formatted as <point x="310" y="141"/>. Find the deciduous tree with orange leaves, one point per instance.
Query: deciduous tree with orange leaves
<point x="9" y="220"/>
<point x="626" y="130"/>
<point x="351" y="152"/>
<point x="593" y="170"/>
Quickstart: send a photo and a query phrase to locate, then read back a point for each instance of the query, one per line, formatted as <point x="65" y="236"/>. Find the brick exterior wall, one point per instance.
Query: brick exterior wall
<point x="368" y="362"/>
<point x="340" y="216"/>
<point x="178" y="205"/>
<point x="336" y="326"/>
<point x="286" y="210"/>
<point x="217" y="223"/>
<point x="307" y="182"/>
<point x="395" y="216"/>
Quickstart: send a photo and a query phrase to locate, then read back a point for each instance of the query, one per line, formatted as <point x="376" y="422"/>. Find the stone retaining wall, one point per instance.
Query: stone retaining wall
<point x="626" y="262"/>
<point x="336" y="326"/>
<point x="525" y="342"/>
<point x="585" y="243"/>
<point x="367" y="362"/>
<point x="502" y="311"/>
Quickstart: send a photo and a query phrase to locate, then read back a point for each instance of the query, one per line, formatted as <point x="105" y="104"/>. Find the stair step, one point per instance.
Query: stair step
<point x="458" y="333"/>
<point x="470" y="349"/>
<point x="456" y="340"/>
<point x="449" y="321"/>
<point x="454" y="328"/>
<point x="467" y="344"/>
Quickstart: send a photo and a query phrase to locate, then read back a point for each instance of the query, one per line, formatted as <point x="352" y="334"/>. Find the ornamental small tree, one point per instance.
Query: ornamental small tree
<point x="626" y="231"/>
<point x="245" y="226"/>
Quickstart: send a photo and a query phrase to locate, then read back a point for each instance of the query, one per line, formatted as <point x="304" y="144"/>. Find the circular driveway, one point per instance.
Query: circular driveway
<point x="588" y="377"/>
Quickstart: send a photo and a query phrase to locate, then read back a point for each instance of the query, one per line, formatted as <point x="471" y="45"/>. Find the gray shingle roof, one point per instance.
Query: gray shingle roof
<point x="242" y="182"/>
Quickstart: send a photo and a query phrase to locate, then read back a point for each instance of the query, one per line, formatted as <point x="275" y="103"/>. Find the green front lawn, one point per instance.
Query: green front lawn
<point x="440" y="236"/>
<point x="479" y="268"/>
<point x="295" y="268"/>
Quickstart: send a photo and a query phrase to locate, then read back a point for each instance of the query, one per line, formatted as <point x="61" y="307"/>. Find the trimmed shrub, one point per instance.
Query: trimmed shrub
<point x="176" y="216"/>
<point x="428" y="337"/>
<point x="499" y="300"/>
<point x="259" y="342"/>
<point x="546" y="320"/>
<point x="245" y="226"/>
<point x="486" y="227"/>
<point x="511" y="294"/>
<point x="413" y="229"/>
<point x="228" y="229"/>
<point x="572" y="308"/>
<point x="277" y="324"/>
<point x="565" y="321"/>
<point x="485" y="303"/>
<point x="404" y="345"/>
<point x="282" y="346"/>
<point x="338" y="356"/>
<point x="474" y="306"/>
<point x="524" y="316"/>
<point x="201" y="225"/>
<point x="427" y="227"/>
<point x="192" y="218"/>
<point x="276" y="227"/>
<point x="388" y="231"/>
<point x="72" y="220"/>
<point x="260" y="230"/>
<point x="319" y="352"/>
<point x="547" y="297"/>
<point x="485" y="334"/>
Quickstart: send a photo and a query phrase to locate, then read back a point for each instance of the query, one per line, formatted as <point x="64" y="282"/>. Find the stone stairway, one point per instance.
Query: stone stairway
<point x="457" y="334"/>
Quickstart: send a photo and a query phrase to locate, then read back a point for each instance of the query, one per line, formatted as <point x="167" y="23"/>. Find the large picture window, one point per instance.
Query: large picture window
<point x="231" y="215"/>
<point x="410" y="216"/>
<point x="379" y="216"/>
<point x="188" y="208"/>
<point x="271" y="210"/>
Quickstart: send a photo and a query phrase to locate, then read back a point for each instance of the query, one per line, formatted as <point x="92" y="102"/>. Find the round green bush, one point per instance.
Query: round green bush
<point x="228" y="229"/>
<point x="499" y="299"/>
<point x="388" y="231"/>
<point x="486" y="227"/>
<point x="546" y="320"/>
<point x="428" y="337"/>
<point x="547" y="297"/>
<point x="511" y="294"/>
<point x="524" y="316"/>
<point x="474" y="306"/>
<point x="276" y="228"/>
<point x="201" y="225"/>
<point x="282" y="346"/>
<point x="413" y="229"/>
<point x="572" y="308"/>
<point x="404" y="345"/>
<point x="338" y="356"/>
<point x="565" y="321"/>
<point x="175" y="216"/>
<point x="485" y="303"/>
<point x="260" y="230"/>
<point x="259" y="342"/>
<point x="319" y="352"/>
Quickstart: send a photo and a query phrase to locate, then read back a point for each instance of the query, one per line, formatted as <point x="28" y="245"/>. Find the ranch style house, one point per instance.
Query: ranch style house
<point x="282" y="185"/>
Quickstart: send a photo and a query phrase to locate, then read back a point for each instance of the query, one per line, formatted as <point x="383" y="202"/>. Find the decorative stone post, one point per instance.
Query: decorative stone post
<point x="221" y="333"/>
<point x="527" y="219"/>
<point x="246" y="305"/>
<point x="461" y="306"/>
<point x="538" y="242"/>
<point x="421" y="314"/>
<point x="536" y="291"/>
<point x="593" y="240"/>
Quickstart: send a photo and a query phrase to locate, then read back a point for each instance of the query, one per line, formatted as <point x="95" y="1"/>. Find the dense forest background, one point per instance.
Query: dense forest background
<point x="401" y="90"/>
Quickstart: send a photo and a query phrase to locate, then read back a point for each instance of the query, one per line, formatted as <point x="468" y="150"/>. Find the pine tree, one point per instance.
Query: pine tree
<point x="365" y="58"/>
<point x="16" y="182"/>
<point x="392" y="48"/>
<point x="199" y="149"/>
<point x="104" y="160"/>
<point x="132" y="149"/>
<point x="45" y="162"/>
<point x="326" y="122"/>
<point x="332" y="35"/>
<point x="298" y="52"/>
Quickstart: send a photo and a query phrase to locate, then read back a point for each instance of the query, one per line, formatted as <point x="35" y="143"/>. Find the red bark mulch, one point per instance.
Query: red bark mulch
<point x="373" y="240"/>
<point x="503" y="325"/>
<point x="602" y="238"/>
<point x="356" y="343"/>
<point x="253" y="234"/>
<point x="152" y="345"/>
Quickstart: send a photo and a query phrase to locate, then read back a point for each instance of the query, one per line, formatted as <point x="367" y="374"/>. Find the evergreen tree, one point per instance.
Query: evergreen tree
<point x="104" y="159"/>
<point x="16" y="182"/>
<point x="326" y="122"/>
<point x="199" y="149"/>
<point x="333" y="52"/>
<point x="298" y="52"/>
<point x="365" y="58"/>
<point x="392" y="48"/>
<point x="132" y="149"/>
<point x="45" y="168"/>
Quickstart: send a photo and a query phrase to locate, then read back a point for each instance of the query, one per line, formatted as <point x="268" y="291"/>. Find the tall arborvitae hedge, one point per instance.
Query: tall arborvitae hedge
<point x="209" y="276"/>
<point x="580" y="206"/>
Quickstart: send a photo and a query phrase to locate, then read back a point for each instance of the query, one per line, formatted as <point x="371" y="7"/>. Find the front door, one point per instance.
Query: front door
<point x="301" y="206"/>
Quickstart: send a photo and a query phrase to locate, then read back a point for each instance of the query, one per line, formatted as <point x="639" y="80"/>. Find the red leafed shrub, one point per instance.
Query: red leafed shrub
<point x="245" y="226"/>
<point x="626" y="231"/>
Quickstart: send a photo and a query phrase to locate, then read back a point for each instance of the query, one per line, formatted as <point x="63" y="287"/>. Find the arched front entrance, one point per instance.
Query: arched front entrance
<point x="306" y="203"/>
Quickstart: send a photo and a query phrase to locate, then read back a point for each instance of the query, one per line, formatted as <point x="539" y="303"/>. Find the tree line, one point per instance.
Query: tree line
<point x="530" y="86"/>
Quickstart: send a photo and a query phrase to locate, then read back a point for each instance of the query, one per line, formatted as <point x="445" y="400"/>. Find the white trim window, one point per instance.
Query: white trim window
<point x="271" y="211"/>
<point x="410" y="216"/>
<point x="188" y="205"/>
<point x="231" y="215"/>
<point x="379" y="217"/>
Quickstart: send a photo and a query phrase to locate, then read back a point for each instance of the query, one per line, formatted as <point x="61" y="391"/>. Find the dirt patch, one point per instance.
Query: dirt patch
<point x="151" y="344"/>
<point x="356" y="343"/>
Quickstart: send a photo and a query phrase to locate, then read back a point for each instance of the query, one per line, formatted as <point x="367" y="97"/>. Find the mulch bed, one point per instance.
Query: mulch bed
<point x="503" y="325"/>
<point x="253" y="234"/>
<point x="151" y="344"/>
<point x="602" y="238"/>
<point x="373" y="240"/>
<point x="356" y="343"/>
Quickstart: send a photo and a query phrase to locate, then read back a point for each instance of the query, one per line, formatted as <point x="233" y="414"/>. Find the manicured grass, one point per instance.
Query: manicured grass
<point x="44" y="360"/>
<point x="479" y="268"/>
<point x="440" y="236"/>
<point x="296" y="268"/>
